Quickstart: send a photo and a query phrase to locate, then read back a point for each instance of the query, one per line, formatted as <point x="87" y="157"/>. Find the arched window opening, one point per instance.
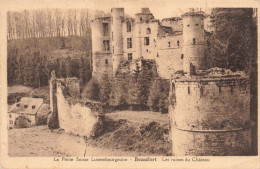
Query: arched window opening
<point x="128" y="26"/>
<point x="148" y="31"/>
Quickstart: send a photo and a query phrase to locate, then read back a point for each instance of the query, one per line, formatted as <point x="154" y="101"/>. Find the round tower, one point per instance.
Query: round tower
<point x="97" y="41"/>
<point x="117" y="36"/>
<point x="193" y="41"/>
<point x="211" y="115"/>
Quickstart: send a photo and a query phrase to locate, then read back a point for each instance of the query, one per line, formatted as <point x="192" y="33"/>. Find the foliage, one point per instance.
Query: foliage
<point x="158" y="96"/>
<point x="22" y="122"/>
<point x="233" y="43"/>
<point x="30" y="62"/>
<point x="92" y="90"/>
<point x="105" y="89"/>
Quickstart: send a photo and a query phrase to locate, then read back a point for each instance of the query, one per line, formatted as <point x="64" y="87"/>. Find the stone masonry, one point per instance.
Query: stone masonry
<point x="118" y="38"/>
<point x="211" y="114"/>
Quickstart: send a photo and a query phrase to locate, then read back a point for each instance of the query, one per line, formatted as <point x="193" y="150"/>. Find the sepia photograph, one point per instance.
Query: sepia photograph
<point x="132" y="81"/>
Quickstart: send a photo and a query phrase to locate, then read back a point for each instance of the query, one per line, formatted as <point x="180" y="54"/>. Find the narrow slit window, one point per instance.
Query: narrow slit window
<point x="169" y="44"/>
<point x="194" y="41"/>
<point x="182" y="55"/>
<point x="128" y="26"/>
<point x="106" y="61"/>
<point x="188" y="89"/>
<point x="201" y="91"/>
<point x="178" y="43"/>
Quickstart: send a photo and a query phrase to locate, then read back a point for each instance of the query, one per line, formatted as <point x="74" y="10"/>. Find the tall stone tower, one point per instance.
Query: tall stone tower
<point x="193" y="41"/>
<point x="97" y="42"/>
<point x="101" y="47"/>
<point x="117" y="36"/>
<point x="211" y="112"/>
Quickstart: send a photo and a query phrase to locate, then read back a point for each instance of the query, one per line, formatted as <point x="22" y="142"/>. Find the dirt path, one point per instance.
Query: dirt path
<point x="40" y="141"/>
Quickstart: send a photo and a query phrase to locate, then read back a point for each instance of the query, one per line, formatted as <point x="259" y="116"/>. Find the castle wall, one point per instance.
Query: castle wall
<point x="149" y="51"/>
<point x="103" y="63"/>
<point x="169" y="55"/>
<point x="216" y="120"/>
<point x="100" y="52"/>
<point x="126" y="35"/>
<point x="74" y="118"/>
<point x="174" y="23"/>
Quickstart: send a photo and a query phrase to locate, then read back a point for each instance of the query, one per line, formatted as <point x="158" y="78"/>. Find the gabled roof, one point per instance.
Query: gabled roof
<point x="27" y="105"/>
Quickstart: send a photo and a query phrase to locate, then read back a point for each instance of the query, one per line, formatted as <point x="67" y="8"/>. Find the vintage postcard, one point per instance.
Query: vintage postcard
<point x="129" y="84"/>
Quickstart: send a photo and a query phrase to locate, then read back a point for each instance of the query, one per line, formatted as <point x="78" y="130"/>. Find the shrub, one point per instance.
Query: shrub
<point x="92" y="90"/>
<point x="158" y="96"/>
<point x="22" y="122"/>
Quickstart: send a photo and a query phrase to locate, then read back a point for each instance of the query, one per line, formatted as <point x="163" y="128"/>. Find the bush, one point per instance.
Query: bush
<point x="53" y="122"/>
<point x="92" y="90"/>
<point x="158" y="96"/>
<point x="22" y="122"/>
<point x="105" y="89"/>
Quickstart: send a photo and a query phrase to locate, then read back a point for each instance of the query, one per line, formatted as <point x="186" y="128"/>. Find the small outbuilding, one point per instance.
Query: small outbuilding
<point x="27" y="112"/>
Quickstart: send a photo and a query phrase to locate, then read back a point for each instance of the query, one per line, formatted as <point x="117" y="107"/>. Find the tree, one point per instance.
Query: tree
<point x="105" y="89"/>
<point x="92" y="90"/>
<point x="234" y="39"/>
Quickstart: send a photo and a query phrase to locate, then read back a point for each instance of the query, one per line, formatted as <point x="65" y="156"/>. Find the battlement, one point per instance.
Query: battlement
<point x="193" y="14"/>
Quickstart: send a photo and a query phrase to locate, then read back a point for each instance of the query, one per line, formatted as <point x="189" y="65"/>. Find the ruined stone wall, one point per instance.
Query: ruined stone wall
<point x="213" y="115"/>
<point x="169" y="55"/>
<point x="174" y="23"/>
<point x="149" y="51"/>
<point x="73" y="86"/>
<point x="74" y="118"/>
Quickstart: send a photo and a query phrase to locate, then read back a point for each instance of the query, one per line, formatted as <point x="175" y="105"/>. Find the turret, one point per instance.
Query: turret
<point x="117" y="37"/>
<point x="193" y="41"/>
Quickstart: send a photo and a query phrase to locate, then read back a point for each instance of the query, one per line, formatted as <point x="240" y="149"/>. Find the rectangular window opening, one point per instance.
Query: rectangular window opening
<point x="129" y="43"/>
<point x="146" y="41"/>
<point x="128" y="27"/>
<point x="130" y="56"/>
<point x="194" y="41"/>
<point x="106" y="45"/>
<point x="106" y="61"/>
<point x="105" y="29"/>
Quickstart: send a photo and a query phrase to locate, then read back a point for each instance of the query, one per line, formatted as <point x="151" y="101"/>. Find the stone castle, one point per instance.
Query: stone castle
<point x="210" y="114"/>
<point x="170" y="42"/>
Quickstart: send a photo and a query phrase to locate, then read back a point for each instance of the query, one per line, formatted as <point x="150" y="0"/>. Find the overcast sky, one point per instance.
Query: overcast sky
<point x="160" y="8"/>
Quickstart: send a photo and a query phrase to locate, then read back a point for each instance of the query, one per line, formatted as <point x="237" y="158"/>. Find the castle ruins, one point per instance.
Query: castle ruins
<point x="211" y="112"/>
